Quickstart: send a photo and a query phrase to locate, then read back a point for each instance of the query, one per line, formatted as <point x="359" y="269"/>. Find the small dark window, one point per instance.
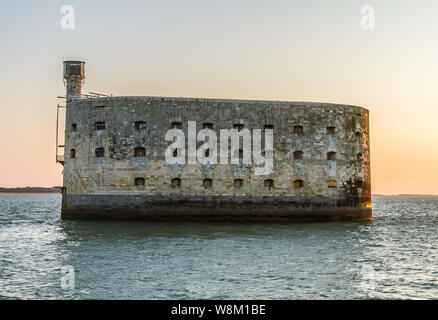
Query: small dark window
<point x="207" y="153"/>
<point x="359" y="183"/>
<point x="298" y="129"/>
<point x="74" y="69"/>
<point x="100" y="152"/>
<point x="238" y="126"/>
<point x="176" y="125"/>
<point x="207" y="183"/>
<point x="298" y="155"/>
<point x="176" y="182"/>
<point x="331" y="155"/>
<point x="100" y="125"/>
<point x="331" y="130"/>
<point x="238" y="183"/>
<point x="72" y="153"/>
<point x="139" y="181"/>
<point x="240" y="154"/>
<point x="175" y="153"/>
<point x="359" y="157"/>
<point x="140" y="125"/>
<point x="358" y="133"/>
<point x="207" y="125"/>
<point x="332" y="184"/>
<point x="139" y="152"/>
<point x="269" y="126"/>
<point x="298" y="184"/>
<point x="73" y="127"/>
<point x="269" y="183"/>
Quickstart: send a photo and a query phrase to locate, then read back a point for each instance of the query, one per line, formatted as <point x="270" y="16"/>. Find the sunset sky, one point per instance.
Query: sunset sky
<point x="313" y="50"/>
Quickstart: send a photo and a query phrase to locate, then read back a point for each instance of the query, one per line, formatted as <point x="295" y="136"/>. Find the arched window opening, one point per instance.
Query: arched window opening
<point x="298" y="155"/>
<point x="139" y="152"/>
<point x="176" y="182"/>
<point x="139" y="181"/>
<point x="73" y="127"/>
<point x="269" y="183"/>
<point x="99" y="125"/>
<point x="359" y="157"/>
<point x="331" y="155"/>
<point x="176" y="125"/>
<point x="331" y="130"/>
<point x="72" y="153"/>
<point x="175" y="153"/>
<point x="238" y="183"/>
<point x="298" y="184"/>
<point x="100" y="152"/>
<point x="140" y="125"/>
<point x="298" y="129"/>
<point x="207" y="183"/>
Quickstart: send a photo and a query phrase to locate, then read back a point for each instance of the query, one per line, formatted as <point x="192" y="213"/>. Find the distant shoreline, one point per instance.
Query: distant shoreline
<point x="405" y="195"/>
<point x="28" y="190"/>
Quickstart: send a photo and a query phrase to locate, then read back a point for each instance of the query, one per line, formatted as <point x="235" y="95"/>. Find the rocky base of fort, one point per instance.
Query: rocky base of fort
<point x="213" y="208"/>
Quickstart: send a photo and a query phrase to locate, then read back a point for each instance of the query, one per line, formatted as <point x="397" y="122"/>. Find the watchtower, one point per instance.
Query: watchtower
<point x="74" y="75"/>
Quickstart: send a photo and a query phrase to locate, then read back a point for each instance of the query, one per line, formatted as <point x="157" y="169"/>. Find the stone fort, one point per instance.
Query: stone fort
<point x="115" y="168"/>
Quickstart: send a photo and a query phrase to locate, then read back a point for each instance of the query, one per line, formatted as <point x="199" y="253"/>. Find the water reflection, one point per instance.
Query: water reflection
<point x="397" y="252"/>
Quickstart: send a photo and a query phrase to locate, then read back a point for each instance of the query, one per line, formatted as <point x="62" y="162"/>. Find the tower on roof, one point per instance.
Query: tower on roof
<point x="74" y="75"/>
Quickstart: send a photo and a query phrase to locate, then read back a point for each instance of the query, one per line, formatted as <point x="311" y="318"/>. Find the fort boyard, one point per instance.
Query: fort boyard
<point x="193" y="159"/>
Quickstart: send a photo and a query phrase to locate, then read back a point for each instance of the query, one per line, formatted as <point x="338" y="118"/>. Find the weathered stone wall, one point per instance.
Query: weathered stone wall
<point x="115" y="173"/>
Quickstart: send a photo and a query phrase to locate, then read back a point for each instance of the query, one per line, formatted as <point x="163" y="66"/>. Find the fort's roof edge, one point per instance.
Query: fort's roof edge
<point x="193" y="99"/>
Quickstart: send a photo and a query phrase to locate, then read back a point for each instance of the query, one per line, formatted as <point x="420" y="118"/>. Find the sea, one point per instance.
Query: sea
<point x="394" y="256"/>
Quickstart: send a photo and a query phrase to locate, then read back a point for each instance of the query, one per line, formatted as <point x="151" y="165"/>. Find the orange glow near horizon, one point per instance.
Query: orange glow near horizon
<point x="250" y="50"/>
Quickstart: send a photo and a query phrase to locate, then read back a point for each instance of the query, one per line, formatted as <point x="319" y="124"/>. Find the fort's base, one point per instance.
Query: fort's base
<point x="212" y="208"/>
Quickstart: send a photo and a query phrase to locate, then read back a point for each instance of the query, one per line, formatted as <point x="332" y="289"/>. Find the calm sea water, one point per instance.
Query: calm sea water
<point x="394" y="256"/>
